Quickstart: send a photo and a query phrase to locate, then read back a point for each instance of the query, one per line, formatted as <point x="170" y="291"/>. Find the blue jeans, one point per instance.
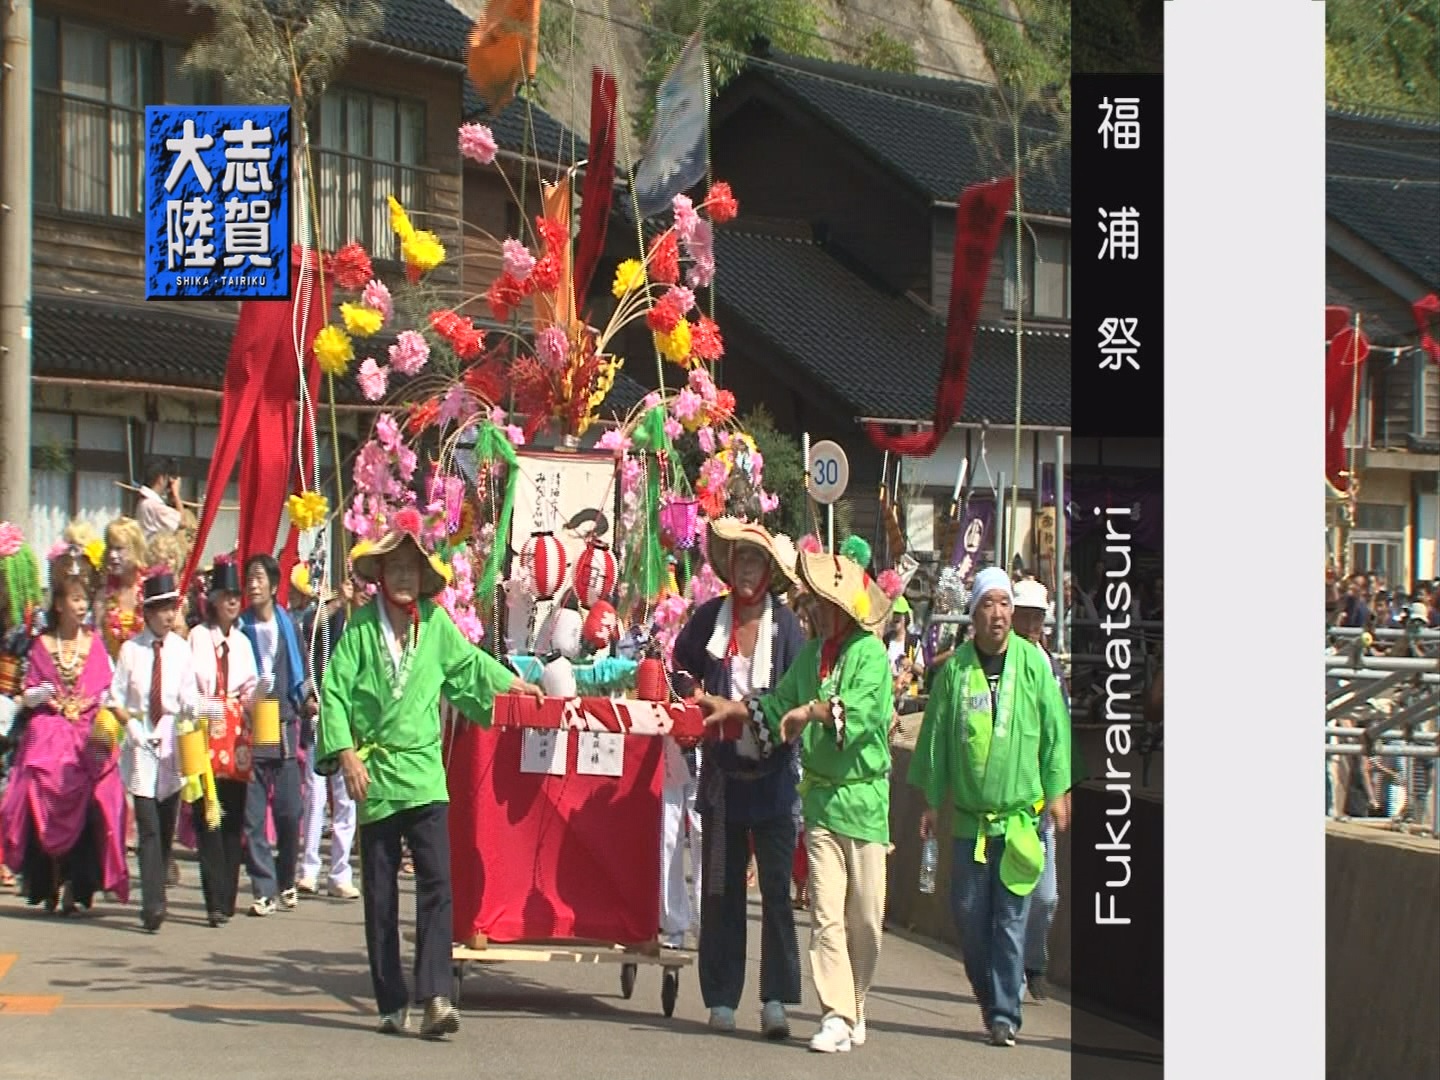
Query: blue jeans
<point x="274" y="784"/>
<point x="1043" y="902"/>
<point x="990" y="921"/>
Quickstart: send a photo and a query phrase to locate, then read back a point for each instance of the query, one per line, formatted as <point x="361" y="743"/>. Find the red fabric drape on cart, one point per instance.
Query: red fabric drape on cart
<point x="257" y="420"/>
<point x="1345" y="350"/>
<point x="599" y="189"/>
<point x="978" y="220"/>
<point x="540" y="857"/>
<point x="1427" y="314"/>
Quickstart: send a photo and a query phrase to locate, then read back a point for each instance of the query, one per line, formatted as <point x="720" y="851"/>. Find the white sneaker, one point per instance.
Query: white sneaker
<point x="832" y="1038"/>
<point x="396" y="1023"/>
<point x="306" y="886"/>
<point x="289" y="899"/>
<point x="262" y="906"/>
<point x="344" y="892"/>
<point x="857" y="1034"/>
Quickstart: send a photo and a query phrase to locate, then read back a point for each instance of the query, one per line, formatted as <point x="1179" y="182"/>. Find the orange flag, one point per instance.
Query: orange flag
<point x="558" y="307"/>
<point x="504" y="48"/>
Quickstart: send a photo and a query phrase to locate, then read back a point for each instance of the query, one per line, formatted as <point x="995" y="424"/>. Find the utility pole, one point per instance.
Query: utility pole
<point x="15" y="232"/>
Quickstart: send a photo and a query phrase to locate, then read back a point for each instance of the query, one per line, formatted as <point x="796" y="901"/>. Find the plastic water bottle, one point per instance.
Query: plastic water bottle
<point x="929" y="861"/>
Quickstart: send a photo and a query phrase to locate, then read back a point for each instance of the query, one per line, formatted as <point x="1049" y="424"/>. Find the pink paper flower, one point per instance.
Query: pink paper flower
<point x="11" y="539"/>
<point x="477" y="142"/>
<point x="358" y="521"/>
<point x="707" y="440"/>
<point x="372" y="470"/>
<point x="455" y="405"/>
<point x="373" y="379"/>
<point x="56" y="550"/>
<point x="769" y="503"/>
<point x="615" y="441"/>
<point x="712" y="474"/>
<point x="687" y="405"/>
<point x="387" y="431"/>
<point x="681" y="297"/>
<point x="891" y="583"/>
<point x="810" y="543"/>
<point x="515" y="435"/>
<point x="553" y="347"/>
<point x="701" y="274"/>
<point x="685" y="216"/>
<point x="377" y="296"/>
<point x="405" y="458"/>
<point x="703" y="385"/>
<point x="701" y="244"/>
<point x="409" y="353"/>
<point x="673" y="430"/>
<point x="651" y="400"/>
<point x="517" y="259"/>
<point x="497" y="416"/>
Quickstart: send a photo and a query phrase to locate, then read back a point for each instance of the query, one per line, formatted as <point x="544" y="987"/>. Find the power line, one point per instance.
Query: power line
<point x="1424" y="159"/>
<point x="1394" y="182"/>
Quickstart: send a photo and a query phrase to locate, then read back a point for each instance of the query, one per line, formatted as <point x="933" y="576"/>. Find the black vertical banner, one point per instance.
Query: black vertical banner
<point x="1115" y="505"/>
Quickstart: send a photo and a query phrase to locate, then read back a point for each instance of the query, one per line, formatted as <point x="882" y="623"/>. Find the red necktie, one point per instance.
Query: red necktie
<point x="222" y="665"/>
<point x="157" y="699"/>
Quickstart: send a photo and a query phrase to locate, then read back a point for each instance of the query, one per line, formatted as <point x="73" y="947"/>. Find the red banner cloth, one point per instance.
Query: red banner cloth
<point x="599" y="189"/>
<point x="1346" y="348"/>
<point x="257" y="419"/>
<point x="1427" y="314"/>
<point x="682" y="721"/>
<point x="553" y="858"/>
<point x="978" y="220"/>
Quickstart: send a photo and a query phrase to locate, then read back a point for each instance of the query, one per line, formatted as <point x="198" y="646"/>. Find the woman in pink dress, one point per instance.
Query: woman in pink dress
<point x="62" y="821"/>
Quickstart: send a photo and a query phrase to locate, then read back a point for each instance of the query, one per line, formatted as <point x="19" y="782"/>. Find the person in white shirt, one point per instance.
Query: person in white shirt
<point x="226" y="677"/>
<point x="159" y="512"/>
<point x="154" y="681"/>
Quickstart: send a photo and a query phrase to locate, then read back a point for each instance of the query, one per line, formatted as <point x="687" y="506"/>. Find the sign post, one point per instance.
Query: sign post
<point x="827" y="474"/>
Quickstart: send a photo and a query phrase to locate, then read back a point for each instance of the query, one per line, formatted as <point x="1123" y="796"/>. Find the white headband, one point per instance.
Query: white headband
<point x="991" y="579"/>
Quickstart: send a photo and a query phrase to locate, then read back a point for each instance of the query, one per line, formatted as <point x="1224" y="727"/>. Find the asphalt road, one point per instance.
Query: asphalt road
<point x="289" y="995"/>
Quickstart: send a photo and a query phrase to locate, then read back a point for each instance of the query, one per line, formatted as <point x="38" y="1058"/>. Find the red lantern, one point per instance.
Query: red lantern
<point x="544" y="562"/>
<point x="602" y="625"/>
<point x="595" y="573"/>
<point x="650" y="680"/>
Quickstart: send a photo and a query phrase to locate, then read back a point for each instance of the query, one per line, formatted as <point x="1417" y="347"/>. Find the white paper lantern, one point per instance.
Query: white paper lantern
<point x="595" y="573"/>
<point x="545" y="563"/>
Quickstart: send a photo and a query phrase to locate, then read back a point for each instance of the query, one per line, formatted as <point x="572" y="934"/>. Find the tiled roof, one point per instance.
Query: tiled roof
<point x="939" y="135"/>
<point x="431" y="27"/>
<point x="550" y="140"/>
<point x="880" y="354"/>
<point x="1400" y="218"/>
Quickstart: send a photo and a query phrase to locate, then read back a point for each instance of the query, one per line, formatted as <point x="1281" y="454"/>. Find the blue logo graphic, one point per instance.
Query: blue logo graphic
<point x="217" y="202"/>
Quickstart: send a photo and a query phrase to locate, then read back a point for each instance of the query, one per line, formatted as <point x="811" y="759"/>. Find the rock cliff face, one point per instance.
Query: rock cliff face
<point x="945" y="44"/>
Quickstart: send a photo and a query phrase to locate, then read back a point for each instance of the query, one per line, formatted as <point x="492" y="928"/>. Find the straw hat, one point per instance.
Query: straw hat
<point x="366" y="556"/>
<point x="727" y="533"/>
<point x="300" y="581"/>
<point x="842" y="580"/>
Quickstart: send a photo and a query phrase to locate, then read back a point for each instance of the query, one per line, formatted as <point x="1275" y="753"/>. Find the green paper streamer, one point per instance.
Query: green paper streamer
<point x="490" y="445"/>
<point x="20" y="576"/>
<point x="648" y="568"/>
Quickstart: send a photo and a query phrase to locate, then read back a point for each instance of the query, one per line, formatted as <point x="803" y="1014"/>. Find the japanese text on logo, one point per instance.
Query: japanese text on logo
<point x="1120" y="130"/>
<point x="217" y="209"/>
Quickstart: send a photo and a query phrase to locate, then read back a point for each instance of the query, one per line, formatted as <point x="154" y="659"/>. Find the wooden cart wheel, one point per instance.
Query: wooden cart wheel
<point x="669" y="990"/>
<point x="627" y="979"/>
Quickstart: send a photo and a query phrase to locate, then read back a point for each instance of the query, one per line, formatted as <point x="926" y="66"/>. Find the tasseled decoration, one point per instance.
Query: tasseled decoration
<point x="491" y="446"/>
<point x="647" y="570"/>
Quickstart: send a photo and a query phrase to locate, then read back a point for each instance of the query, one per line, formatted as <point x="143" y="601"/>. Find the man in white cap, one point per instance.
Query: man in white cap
<point x="1032" y="607"/>
<point x="995" y="743"/>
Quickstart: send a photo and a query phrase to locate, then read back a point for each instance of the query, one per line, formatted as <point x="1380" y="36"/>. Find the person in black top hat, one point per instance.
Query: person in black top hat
<point x="154" y="682"/>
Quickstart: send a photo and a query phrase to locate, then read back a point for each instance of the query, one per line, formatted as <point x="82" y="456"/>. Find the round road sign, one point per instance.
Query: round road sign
<point x="829" y="472"/>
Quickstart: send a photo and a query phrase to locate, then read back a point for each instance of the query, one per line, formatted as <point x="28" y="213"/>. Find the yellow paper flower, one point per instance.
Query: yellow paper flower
<point x="399" y="220"/>
<point x="334" y="350"/>
<point x="861" y="605"/>
<point x="423" y="250"/>
<point x="675" y="345"/>
<point x="629" y="276"/>
<point x="95" y="551"/>
<point x="308" y="511"/>
<point x="360" y="320"/>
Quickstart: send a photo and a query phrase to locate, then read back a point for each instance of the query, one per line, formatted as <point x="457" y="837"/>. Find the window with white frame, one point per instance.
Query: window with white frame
<point x="92" y="84"/>
<point x="1042" y="290"/>
<point x="78" y="466"/>
<point x="368" y="147"/>
<point x="1377" y="543"/>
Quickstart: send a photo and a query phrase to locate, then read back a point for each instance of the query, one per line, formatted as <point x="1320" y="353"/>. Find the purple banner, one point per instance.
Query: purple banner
<point x="975" y="543"/>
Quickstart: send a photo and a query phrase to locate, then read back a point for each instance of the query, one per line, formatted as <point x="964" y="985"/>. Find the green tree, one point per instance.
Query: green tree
<point x="885" y="52"/>
<point x="1383" y="55"/>
<point x="784" y="473"/>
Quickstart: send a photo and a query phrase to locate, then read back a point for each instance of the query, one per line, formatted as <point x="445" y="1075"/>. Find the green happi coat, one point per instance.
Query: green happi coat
<point x="993" y="767"/>
<point x="846" y="791"/>
<point x="397" y="731"/>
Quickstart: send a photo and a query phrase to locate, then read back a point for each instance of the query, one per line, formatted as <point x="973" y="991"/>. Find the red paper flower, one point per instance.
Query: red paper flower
<point x="713" y="503"/>
<point x="459" y="332"/>
<point x="724" y="406"/>
<point x="486" y="380"/>
<point x="408" y="521"/>
<point x="423" y="415"/>
<point x="504" y="296"/>
<point x="665" y="259"/>
<point x="352" y="267"/>
<point x="705" y="340"/>
<point x="553" y="235"/>
<point x="546" y="275"/>
<point x="664" y="316"/>
<point x="721" y="203"/>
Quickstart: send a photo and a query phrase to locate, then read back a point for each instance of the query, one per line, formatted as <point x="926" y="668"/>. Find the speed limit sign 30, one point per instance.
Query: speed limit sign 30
<point x="829" y="472"/>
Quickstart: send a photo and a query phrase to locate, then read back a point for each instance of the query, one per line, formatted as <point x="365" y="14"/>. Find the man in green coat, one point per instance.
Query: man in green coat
<point x="836" y="698"/>
<point x="380" y="728"/>
<point x="995" y="742"/>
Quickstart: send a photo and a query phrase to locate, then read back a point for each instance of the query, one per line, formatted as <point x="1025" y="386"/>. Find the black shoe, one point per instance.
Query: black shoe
<point x="216" y="919"/>
<point x="153" y="921"/>
<point x="1002" y="1034"/>
<point x="1039" y="989"/>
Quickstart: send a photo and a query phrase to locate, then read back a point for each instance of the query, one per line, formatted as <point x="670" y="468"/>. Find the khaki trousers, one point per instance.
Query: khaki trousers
<point x="847" y="888"/>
